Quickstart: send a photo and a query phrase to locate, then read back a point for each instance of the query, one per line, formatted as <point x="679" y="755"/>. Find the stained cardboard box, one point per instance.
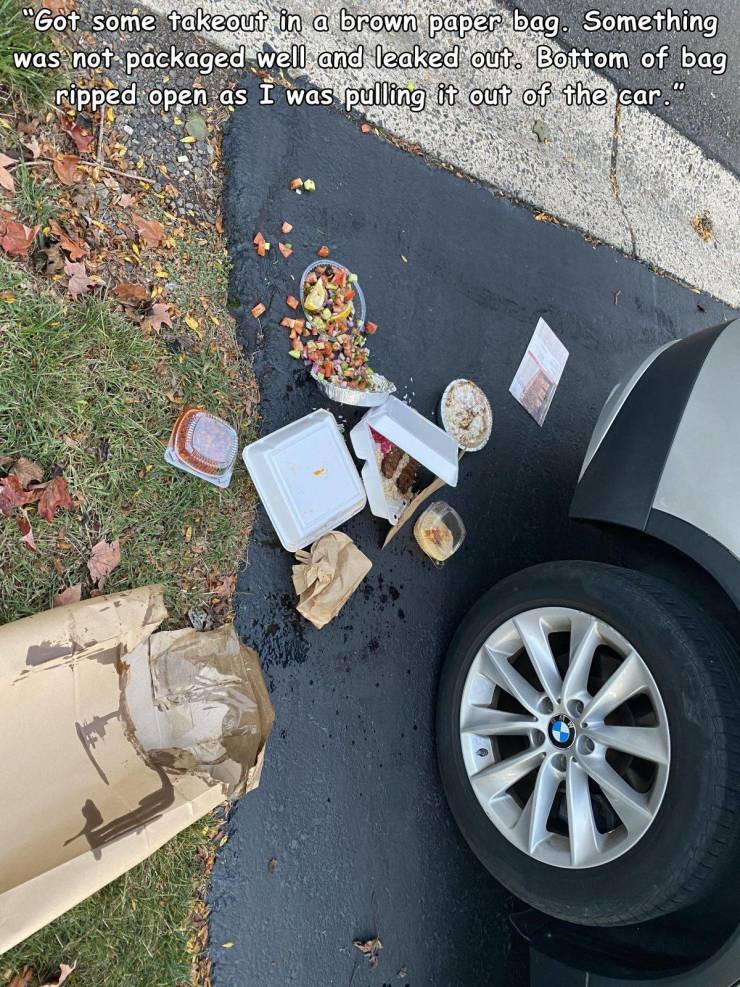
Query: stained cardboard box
<point x="114" y="739"/>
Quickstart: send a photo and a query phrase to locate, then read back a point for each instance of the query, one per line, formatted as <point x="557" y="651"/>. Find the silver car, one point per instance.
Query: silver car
<point x="588" y="718"/>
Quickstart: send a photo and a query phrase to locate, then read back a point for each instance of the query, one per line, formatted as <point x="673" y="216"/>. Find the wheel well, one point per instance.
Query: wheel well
<point x="638" y="550"/>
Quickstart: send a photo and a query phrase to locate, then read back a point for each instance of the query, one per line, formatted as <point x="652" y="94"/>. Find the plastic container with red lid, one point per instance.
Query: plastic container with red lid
<point x="204" y="445"/>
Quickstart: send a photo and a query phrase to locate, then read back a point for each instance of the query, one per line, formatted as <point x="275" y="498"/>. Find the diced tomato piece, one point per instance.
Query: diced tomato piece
<point x="296" y="183"/>
<point x="370" y="328"/>
<point x="327" y="369"/>
<point x="258" y="310"/>
<point x="292" y="301"/>
<point x="258" y="240"/>
<point x="287" y="323"/>
<point x="285" y="250"/>
<point x="349" y="294"/>
<point x="340" y="277"/>
<point x="323" y="252"/>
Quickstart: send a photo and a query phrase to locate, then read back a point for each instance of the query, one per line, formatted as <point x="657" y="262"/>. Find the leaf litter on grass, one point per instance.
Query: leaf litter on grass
<point x="91" y="380"/>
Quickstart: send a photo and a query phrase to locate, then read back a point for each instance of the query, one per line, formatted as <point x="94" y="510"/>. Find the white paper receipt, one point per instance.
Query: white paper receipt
<point x="539" y="372"/>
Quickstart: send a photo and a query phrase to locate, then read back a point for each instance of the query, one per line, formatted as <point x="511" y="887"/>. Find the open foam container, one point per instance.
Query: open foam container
<point x="424" y="441"/>
<point x="306" y="479"/>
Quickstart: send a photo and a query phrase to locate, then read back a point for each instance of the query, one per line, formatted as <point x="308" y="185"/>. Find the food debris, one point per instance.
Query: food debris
<point x="369" y="948"/>
<point x="320" y="472"/>
<point x="323" y="252"/>
<point x="296" y="183"/>
<point x="258" y="310"/>
<point x="292" y="302"/>
<point x="309" y="185"/>
<point x="702" y="226"/>
<point x="286" y="228"/>
<point x="366" y="128"/>
<point x="285" y="249"/>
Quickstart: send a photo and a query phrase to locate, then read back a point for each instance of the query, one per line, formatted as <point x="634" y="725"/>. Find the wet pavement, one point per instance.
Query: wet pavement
<point x="350" y="805"/>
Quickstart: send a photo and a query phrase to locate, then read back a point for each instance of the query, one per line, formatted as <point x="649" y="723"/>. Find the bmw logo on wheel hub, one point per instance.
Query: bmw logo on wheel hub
<point x="562" y="731"/>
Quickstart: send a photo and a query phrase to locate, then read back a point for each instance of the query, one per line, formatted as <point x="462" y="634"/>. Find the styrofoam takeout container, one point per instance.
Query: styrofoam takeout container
<point x="306" y="479"/>
<point x="420" y="438"/>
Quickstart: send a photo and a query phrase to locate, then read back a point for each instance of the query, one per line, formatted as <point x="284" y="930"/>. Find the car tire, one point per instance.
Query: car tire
<point x="692" y="843"/>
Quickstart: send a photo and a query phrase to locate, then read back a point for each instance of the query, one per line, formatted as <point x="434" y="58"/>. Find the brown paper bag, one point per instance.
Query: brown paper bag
<point x="114" y="739"/>
<point x="327" y="575"/>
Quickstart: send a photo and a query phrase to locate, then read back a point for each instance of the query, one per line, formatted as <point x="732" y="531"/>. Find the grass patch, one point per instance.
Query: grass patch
<point x="28" y="86"/>
<point x="83" y="390"/>
<point x="35" y="197"/>
<point x="136" y="932"/>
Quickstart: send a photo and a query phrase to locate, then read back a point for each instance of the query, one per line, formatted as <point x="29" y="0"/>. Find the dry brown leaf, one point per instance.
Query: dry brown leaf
<point x="27" y="472"/>
<point x="23" y="978"/>
<point x="73" y="594"/>
<point x="150" y="231"/>
<point x="24" y="526"/>
<point x="65" y="168"/>
<point x="74" y="248"/>
<point x="54" y="497"/>
<point x="158" y="316"/>
<point x="17" y="238"/>
<point x="6" y="179"/>
<point x="79" y="282"/>
<point x="104" y="558"/>
<point x="81" y="136"/>
<point x="129" y="291"/>
<point x="126" y="200"/>
<point x="33" y="146"/>
<point x="13" y="495"/>
<point x="65" y="971"/>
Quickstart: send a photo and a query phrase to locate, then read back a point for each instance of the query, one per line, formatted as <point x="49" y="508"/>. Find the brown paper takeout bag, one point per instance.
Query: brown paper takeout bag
<point x="327" y="575"/>
<point x="114" y="739"/>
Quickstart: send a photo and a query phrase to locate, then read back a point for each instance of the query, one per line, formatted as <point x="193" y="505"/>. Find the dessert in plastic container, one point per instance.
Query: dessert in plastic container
<point x="439" y="532"/>
<point x="204" y="445"/>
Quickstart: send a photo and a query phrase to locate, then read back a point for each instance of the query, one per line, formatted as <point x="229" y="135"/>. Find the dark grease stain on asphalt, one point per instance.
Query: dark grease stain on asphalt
<point x="350" y="801"/>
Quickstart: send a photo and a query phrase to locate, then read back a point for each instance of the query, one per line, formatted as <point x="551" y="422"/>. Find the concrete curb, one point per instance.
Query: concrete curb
<point x="626" y="178"/>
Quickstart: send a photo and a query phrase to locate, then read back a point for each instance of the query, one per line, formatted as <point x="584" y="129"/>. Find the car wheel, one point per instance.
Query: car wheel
<point x="588" y="741"/>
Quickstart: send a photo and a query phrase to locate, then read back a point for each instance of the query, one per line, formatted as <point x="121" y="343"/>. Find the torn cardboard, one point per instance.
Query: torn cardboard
<point x="114" y="739"/>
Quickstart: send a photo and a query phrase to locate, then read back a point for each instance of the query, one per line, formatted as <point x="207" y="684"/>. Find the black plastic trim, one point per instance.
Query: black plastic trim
<point x="699" y="546"/>
<point x="620" y="482"/>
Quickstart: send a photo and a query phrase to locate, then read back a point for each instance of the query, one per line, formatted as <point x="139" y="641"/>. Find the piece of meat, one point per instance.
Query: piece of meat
<point x="407" y="477"/>
<point x="390" y="462"/>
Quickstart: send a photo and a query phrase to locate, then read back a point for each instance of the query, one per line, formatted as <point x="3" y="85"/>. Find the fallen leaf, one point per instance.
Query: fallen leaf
<point x="13" y="495"/>
<point x="74" y="248"/>
<point x="24" y="978"/>
<point x="17" y="238"/>
<point x="33" y="146"/>
<point x="26" y="471"/>
<point x="24" y="526"/>
<point x="82" y="138"/>
<point x="190" y="322"/>
<point x="129" y="291"/>
<point x="126" y="200"/>
<point x="73" y="594"/>
<point x="150" y="231"/>
<point x="158" y="316"/>
<point x="65" y="971"/>
<point x="54" y="497"/>
<point x="104" y="558"/>
<point x="197" y="127"/>
<point x="65" y="168"/>
<point x="79" y="282"/>
<point x="6" y="179"/>
<point x="369" y="948"/>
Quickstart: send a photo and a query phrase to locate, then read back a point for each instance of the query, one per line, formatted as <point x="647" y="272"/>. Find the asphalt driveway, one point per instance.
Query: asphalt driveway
<point x="350" y="806"/>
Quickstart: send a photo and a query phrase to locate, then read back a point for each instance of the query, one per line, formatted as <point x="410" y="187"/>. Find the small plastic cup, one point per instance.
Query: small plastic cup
<point x="439" y="532"/>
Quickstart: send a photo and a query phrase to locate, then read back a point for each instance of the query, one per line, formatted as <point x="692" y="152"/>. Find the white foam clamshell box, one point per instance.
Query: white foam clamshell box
<point x="306" y="479"/>
<point x="420" y="438"/>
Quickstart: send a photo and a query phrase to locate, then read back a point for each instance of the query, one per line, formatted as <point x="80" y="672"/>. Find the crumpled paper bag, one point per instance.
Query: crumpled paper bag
<point x="327" y="575"/>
